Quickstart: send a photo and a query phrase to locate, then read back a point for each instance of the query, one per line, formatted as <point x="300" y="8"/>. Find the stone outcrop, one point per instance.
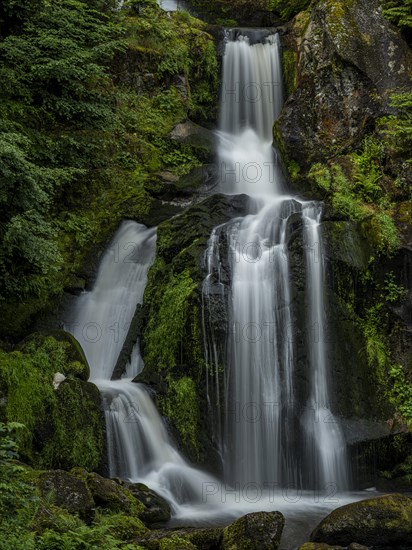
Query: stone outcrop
<point x="382" y="522"/>
<point x="349" y="59"/>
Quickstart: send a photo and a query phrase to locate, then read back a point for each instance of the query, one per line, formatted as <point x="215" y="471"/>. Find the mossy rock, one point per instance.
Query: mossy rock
<point x="77" y="364"/>
<point x="110" y="495"/>
<point x="381" y="522"/>
<point x="255" y="531"/>
<point x="49" y="516"/>
<point x="319" y="546"/>
<point x="155" y="509"/>
<point x="66" y="491"/>
<point x="208" y="538"/>
<point x="77" y="433"/>
<point x="166" y="539"/>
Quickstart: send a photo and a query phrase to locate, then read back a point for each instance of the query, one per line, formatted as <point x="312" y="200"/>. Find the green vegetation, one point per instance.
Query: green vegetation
<point x="166" y="330"/>
<point x="89" y="96"/>
<point x="399" y="12"/>
<point x="288" y="8"/>
<point x="63" y="428"/>
<point x="30" y="521"/>
<point x="181" y="405"/>
<point x="356" y="189"/>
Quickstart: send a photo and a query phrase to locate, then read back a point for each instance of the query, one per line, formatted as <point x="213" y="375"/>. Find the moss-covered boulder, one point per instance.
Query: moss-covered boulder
<point x="349" y="59"/>
<point x="186" y="538"/>
<point x="110" y="495"/>
<point x="382" y="522"/>
<point x="64" y="425"/>
<point x="255" y="531"/>
<point x="76" y="435"/>
<point x="50" y="516"/>
<point x="76" y="363"/>
<point x="67" y="491"/>
<point x="156" y="509"/>
<point x="122" y="526"/>
<point x="195" y="135"/>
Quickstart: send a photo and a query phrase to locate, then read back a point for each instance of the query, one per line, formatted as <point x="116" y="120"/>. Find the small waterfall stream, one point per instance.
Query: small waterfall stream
<point x="138" y="444"/>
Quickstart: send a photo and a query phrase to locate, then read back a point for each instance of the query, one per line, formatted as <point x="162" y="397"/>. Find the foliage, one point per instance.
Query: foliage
<point x="288" y="8"/>
<point x="18" y="499"/>
<point x="69" y="418"/>
<point x="360" y="196"/>
<point x="400" y="13"/>
<point x="397" y="129"/>
<point x="400" y="394"/>
<point x="79" y="140"/>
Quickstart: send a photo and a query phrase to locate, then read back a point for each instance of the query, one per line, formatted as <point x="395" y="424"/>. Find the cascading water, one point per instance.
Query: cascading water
<point x="266" y="439"/>
<point x="139" y="447"/>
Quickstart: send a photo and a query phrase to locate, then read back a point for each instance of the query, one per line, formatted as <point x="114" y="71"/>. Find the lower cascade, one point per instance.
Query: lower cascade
<point x="138" y="446"/>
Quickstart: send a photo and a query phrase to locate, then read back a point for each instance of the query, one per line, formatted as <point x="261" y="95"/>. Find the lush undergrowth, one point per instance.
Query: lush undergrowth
<point x="89" y="96"/>
<point x="32" y="521"/>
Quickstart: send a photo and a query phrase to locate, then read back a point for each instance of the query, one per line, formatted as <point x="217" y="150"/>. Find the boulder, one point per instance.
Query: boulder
<point x="255" y="531"/>
<point x="209" y="538"/>
<point x="192" y="134"/>
<point x="110" y="495"/>
<point x="349" y="60"/>
<point x="381" y="522"/>
<point x="156" y="508"/>
<point x="67" y="491"/>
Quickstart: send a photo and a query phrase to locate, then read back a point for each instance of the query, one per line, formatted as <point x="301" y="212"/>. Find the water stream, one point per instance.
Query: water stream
<point x="269" y="438"/>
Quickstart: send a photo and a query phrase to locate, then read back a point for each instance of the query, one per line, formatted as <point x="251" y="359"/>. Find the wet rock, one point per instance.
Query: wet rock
<point x="67" y="491"/>
<point x="382" y="522"/>
<point x="156" y="508"/>
<point x="255" y="531"/>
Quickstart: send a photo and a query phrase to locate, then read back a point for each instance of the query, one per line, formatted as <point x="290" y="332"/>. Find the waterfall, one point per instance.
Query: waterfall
<point x="138" y="445"/>
<point x="266" y="435"/>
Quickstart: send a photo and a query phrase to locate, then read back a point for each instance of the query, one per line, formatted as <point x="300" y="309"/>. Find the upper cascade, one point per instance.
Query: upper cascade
<point x="251" y="99"/>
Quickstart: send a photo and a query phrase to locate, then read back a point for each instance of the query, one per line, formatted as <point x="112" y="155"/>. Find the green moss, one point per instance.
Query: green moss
<point x="181" y="405"/>
<point x="64" y="427"/>
<point x="175" y="543"/>
<point x="165" y="333"/>
<point x="77" y="430"/>
<point x="351" y="195"/>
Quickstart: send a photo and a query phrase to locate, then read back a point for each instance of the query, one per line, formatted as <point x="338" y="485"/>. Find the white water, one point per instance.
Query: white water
<point x="138" y="445"/>
<point x="265" y="439"/>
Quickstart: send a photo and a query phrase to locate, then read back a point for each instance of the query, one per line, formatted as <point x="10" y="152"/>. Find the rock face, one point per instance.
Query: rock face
<point x="200" y="138"/>
<point x="173" y="322"/>
<point x="349" y="59"/>
<point x="256" y="531"/>
<point x="382" y="522"/>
